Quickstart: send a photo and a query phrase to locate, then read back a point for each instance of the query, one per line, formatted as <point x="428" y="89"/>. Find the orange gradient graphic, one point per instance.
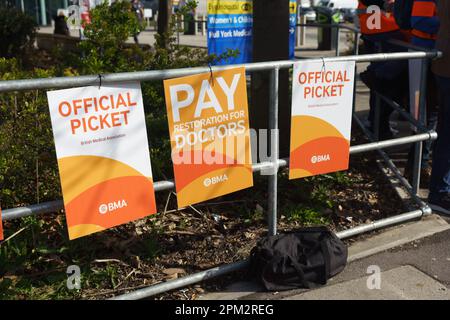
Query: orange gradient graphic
<point x="194" y="177"/>
<point x="317" y="147"/>
<point x="100" y="193"/>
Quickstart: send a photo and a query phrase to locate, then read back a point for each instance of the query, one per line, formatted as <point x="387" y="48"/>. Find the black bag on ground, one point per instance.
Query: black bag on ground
<point x="305" y="258"/>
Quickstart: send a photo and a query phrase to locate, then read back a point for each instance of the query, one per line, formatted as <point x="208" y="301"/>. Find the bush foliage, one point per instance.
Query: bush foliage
<point x="17" y="32"/>
<point x="28" y="168"/>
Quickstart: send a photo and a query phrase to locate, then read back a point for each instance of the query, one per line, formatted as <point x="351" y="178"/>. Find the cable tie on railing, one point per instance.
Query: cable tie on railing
<point x="100" y="81"/>
<point x="323" y="64"/>
<point x="211" y="78"/>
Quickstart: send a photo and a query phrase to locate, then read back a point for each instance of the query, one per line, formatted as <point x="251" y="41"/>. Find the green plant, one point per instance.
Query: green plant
<point x="105" y="49"/>
<point x="17" y="32"/>
<point x="28" y="168"/>
<point x="305" y="215"/>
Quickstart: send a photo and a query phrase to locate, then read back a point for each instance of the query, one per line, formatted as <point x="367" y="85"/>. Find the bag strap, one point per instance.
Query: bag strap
<point x="301" y="274"/>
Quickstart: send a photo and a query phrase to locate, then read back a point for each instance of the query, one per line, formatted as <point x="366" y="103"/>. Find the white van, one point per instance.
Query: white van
<point x="347" y="8"/>
<point x="340" y="4"/>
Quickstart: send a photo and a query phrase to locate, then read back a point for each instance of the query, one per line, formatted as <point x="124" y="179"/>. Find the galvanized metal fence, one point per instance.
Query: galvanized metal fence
<point x="274" y="67"/>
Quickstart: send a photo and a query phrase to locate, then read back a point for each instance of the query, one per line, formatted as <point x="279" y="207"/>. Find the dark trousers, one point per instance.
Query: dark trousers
<point x="431" y="122"/>
<point x="384" y="72"/>
<point x="440" y="176"/>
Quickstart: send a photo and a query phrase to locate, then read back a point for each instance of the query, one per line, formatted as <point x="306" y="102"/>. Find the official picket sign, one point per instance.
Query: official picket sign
<point x="209" y="133"/>
<point x="322" y="103"/>
<point x="103" y="156"/>
<point x="230" y="25"/>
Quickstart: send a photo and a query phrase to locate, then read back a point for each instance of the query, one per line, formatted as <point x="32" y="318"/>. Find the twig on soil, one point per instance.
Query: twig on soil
<point x="110" y="260"/>
<point x="120" y="290"/>
<point x="125" y="279"/>
<point x="167" y="203"/>
<point x="13" y="235"/>
<point x="201" y="214"/>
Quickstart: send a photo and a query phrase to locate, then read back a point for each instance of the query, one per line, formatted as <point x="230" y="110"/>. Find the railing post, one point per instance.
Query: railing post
<point x="204" y="17"/>
<point x="337" y="41"/>
<point x="356" y="45"/>
<point x="196" y="24"/>
<point x="274" y="142"/>
<point x="418" y="147"/>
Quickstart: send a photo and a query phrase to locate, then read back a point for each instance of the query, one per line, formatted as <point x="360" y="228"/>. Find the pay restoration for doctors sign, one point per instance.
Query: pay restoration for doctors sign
<point x="209" y="133"/>
<point x="103" y="156"/>
<point x="322" y="103"/>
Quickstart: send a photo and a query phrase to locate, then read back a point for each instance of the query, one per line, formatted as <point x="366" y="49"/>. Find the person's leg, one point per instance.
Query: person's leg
<point x="440" y="176"/>
<point x="432" y="117"/>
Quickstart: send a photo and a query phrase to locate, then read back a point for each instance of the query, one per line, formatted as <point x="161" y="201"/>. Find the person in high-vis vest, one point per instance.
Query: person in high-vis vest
<point x="424" y="23"/>
<point x="424" y="28"/>
<point x="439" y="197"/>
<point x="368" y="23"/>
<point x="375" y="33"/>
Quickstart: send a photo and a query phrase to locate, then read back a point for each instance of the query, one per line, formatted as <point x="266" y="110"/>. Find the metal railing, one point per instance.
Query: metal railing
<point x="274" y="67"/>
<point x="301" y="31"/>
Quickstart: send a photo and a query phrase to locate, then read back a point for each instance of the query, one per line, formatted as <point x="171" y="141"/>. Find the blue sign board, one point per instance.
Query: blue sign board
<point x="230" y="24"/>
<point x="292" y="27"/>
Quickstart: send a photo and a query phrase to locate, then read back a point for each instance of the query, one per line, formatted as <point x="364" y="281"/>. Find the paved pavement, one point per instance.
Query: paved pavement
<point x="418" y="268"/>
<point x="307" y="50"/>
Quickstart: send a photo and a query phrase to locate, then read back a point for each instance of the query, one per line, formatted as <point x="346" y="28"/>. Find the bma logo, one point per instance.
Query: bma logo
<point x="320" y="158"/>
<point x="112" y="206"/>
<point x="246" y="7"/>
<point x="215" y="180"/>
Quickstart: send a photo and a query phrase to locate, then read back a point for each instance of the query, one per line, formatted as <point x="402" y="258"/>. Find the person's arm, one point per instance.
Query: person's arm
<point x="424" y="17"/>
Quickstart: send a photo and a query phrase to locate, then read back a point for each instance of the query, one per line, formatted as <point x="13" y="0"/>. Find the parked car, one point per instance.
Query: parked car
<point x="305" y="9"/>
<point x="309" y="13"/>
<point x="347" y="8"/>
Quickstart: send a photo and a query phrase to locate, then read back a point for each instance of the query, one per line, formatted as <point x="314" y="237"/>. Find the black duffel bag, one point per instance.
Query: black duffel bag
<point x="305" y="258"/>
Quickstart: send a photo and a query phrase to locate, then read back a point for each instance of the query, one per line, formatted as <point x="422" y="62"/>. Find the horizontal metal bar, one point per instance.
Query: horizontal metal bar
<point x="54" y="206"/>
<point x="329" y="25"/>
<point x="35" y="209"/>
<point x="237" y="266"/>
<point x="183" y="282"/>
<point x="154" y="75"/>
<point x="416" y="214"/>
<point x="432" y="135"/>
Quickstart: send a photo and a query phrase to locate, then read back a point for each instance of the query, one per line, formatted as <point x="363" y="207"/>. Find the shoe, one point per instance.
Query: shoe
<point x="441" y="205"/>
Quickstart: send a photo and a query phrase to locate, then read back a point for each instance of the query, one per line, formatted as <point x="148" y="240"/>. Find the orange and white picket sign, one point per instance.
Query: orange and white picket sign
<point x="209" y="132"/>
<point x="1" y="225"/>
<point x="322" y="103"/>
<point x="103" y="156"/>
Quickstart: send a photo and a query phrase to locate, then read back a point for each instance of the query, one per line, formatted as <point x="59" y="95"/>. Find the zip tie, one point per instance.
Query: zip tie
<point x="211" y="78"/>
<point x="100" y="79"/>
